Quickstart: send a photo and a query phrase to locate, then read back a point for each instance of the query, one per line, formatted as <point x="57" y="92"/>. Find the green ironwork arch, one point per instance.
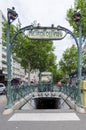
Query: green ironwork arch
<point x="60" y="28"/>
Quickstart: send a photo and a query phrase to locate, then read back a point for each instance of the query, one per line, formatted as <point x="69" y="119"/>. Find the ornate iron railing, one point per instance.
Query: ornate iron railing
<point x="19" y="92"/>
<point x="71" y="91"/>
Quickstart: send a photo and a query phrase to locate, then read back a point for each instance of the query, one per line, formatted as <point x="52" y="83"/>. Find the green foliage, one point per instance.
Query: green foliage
<point x="35" y="52"/>
<point x="59" y="75"/>
<point x="38" y="53"/>
<point x="68" y="63"/>
<point x="78" y="5"/>
<point x="84" y="61"/>
<point x="4" y="28"/>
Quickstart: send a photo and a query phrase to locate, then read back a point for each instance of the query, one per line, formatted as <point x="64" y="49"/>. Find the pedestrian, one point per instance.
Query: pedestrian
<point x="59" y="84"/>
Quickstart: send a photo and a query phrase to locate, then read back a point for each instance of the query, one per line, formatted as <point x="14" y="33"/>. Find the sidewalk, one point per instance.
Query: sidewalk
<point x="2" y="103"/>
<point x="41" y="119"/>
<point x="2" y="99"/>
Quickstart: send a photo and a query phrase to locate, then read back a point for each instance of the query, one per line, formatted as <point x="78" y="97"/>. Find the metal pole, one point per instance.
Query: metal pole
<point x="11" y="16"/>
<point x="79" y="63"/>
<point x="9" y="96"/>
<point x="77" y="19"/>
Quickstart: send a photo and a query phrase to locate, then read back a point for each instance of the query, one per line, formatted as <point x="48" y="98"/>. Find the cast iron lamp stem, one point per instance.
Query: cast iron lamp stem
<point x="79" y="62"/>
<point x="11" y="16"/>
<point x="9" y="97"/>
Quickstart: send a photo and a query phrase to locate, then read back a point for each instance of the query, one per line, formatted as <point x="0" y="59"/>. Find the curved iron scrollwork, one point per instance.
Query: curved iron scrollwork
<point x="47" y="33"/>
<point x="22" y="30"/>
<point x="68" y="32"/>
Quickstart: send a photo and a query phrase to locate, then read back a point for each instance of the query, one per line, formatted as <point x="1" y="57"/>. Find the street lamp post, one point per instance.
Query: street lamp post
<point x="11" y="16"/>
<point x="77" y="19"/>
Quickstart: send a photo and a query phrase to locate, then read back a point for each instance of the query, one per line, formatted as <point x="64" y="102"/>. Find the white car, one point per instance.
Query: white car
<point x="2" y="88"/>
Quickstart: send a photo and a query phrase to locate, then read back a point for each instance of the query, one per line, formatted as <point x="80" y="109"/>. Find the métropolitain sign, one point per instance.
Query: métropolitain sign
<point x="45" y="33"/>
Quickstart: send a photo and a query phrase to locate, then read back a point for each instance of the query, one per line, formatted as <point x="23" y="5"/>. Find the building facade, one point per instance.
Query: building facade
<point x="3" y="61"/>
<point x="16" y="70"/>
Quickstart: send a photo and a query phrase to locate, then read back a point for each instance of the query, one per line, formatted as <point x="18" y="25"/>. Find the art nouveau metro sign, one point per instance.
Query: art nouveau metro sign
<point x="47" y="33"/>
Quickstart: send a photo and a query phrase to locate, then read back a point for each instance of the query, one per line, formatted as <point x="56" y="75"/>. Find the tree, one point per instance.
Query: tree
<point x="59" y="75"/>
<point x="32" y="54"/>
<point x="68" y="63"/>
<point x="84" y="61"/>
<point x="4" y="31"/>
<point x="78" y="5"/>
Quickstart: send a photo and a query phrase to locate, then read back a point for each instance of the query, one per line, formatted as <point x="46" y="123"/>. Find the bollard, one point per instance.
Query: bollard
<point x="84" y="92"/>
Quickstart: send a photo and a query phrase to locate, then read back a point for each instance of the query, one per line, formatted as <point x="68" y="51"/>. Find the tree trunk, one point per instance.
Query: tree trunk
<point x="28" y="73"/>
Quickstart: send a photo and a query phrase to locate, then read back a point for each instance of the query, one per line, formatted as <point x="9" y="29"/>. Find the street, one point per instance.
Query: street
<point x="41" y="119"/>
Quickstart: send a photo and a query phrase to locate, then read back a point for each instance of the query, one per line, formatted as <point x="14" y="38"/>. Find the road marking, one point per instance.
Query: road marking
<point x="44" y="117"/>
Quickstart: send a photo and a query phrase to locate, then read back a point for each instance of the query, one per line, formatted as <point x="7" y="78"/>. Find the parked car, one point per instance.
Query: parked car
<point x="2" y="88"/>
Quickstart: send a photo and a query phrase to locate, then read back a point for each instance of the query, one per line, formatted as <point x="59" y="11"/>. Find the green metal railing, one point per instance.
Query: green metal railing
<point x="71" y="91"/>
<point x="19" y="92"/>
<point x="45" y="87"/>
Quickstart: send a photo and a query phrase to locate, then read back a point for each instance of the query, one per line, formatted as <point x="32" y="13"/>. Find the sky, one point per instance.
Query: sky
<point x="45" y="12"/>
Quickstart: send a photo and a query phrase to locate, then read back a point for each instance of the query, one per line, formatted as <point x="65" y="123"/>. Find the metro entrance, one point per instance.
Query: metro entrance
<point x="38" y="32"/>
